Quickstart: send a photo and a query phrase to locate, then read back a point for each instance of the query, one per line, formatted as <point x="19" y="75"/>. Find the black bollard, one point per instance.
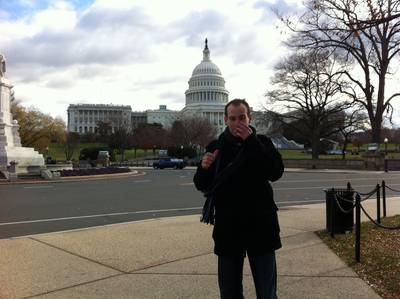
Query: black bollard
<point x="333" y="206"/>
<point x="384" y="198"/>
<point x="378" y="203"/>
<point x="358" y="228"/>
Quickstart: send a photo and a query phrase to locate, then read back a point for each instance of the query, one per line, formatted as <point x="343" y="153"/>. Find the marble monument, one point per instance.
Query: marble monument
<point x="12" y="154"/>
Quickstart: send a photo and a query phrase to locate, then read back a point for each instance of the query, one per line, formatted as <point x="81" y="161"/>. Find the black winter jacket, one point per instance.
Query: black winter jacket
<point x="245" y="212"/>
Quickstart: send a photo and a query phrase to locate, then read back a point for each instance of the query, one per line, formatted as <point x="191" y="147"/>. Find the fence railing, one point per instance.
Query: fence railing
<point x="356" y="203"/>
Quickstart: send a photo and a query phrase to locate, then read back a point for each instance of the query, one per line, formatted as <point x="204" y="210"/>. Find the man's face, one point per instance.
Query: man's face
<point x="236" y="115"/>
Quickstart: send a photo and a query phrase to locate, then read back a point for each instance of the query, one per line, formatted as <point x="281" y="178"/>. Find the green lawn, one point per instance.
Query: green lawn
<point x="56" y="151"/>
<point x="130" y="154"/>
<point x="380" y="255"/>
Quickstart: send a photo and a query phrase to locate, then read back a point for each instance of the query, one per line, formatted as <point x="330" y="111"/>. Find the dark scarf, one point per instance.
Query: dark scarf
<point x="224" y="169"/>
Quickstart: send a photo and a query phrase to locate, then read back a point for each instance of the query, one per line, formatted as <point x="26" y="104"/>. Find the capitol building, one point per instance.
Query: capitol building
<point x="205" y="97"/>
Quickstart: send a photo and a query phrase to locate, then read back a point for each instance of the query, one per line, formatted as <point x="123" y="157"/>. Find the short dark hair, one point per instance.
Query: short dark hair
<point x="237" y="102"/>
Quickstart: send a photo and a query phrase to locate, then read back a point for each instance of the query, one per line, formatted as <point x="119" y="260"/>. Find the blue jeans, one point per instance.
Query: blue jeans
<point x="230" y="276"/>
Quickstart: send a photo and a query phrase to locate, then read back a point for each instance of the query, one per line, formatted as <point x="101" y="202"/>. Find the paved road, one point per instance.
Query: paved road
<point x="31" y="209"/>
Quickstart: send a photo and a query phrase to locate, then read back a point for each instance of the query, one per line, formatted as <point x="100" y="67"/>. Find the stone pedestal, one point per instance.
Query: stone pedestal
<point x="10" y="142"/>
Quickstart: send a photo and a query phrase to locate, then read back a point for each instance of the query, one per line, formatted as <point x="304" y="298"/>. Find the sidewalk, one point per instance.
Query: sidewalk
<point x="170" y="258"/>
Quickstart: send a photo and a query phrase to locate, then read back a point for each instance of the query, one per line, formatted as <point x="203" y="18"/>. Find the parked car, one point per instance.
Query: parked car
<point x="372" y="147"/>
<point x="169" y="163"/>
<point x="334" y="152"/>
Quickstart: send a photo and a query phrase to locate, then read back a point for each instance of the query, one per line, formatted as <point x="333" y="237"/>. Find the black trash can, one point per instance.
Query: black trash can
<point x="337" y="221"/>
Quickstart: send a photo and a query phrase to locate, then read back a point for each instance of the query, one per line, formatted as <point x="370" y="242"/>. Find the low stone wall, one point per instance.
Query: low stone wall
<point x="325" y="164"/>
<point x="369" y="163"/>
<point x="393" y="164"/>
<point x="59" y="166"/>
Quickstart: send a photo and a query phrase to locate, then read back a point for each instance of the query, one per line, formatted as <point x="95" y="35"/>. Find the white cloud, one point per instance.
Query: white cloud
<point x="139" y="53"/>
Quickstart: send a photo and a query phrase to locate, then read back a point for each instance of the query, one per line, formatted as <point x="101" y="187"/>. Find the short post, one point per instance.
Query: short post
<point x="384" y="198"/>
<point x="385" y="141"/>
<point x="378" y="203"/>
<point x="358" y="228"/>
<point x="333" y="202"/>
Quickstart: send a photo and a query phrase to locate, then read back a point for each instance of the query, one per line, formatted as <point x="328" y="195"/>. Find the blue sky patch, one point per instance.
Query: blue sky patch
<point x="17" y="9"/>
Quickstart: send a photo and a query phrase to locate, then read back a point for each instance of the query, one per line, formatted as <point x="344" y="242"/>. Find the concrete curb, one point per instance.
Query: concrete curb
<point x="133" y="173"/>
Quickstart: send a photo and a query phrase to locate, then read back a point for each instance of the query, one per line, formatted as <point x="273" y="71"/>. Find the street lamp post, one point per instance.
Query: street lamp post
<point x="182" y="151"/>
<point x="47" y="154"/>
<point x="385" y="141"/>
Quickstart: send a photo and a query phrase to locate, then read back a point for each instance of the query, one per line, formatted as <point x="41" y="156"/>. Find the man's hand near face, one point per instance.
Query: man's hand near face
<point x="243" y="131"/>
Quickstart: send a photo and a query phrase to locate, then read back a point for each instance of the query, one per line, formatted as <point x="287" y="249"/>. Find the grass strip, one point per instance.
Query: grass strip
<point x="380" y="255"/>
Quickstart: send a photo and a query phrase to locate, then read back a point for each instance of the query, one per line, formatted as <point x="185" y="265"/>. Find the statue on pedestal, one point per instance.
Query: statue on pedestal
<point x="2" y="65"/>
<point x="11" y="151"/>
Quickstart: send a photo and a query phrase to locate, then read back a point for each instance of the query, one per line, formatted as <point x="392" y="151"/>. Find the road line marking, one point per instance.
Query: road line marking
<point x="321" y="187"/>
<point x="186" y="184"/>
<point x="99" y="215"/>
<point x="327" y="180"/>
<point x="298" y="201"/>
<point x="39" y="187"/>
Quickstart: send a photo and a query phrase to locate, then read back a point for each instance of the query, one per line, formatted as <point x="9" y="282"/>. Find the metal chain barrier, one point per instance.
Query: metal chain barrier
<point x="340" y="207"/>
<point x="352" y="201"/>
<point x="394" y="190"/>
<point x="369" y="193"/>
<point x="376" y="223"/>
<point x="343" y="198"/>
<point x="357" y="206"/>
<point x="367" y="197"/>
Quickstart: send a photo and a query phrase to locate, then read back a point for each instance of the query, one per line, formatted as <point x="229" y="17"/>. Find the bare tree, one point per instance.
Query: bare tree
<point x="308" y="89"/>
<point x="396" y="138"/>
<point x="148" y="136"/>
<point x="104" y="130"/>
<point x="192" y="131"/>
<point x="350" y="122"/>
<point x="71" y="144"/>
<point x="120" y="139"/>
<point x="366" y="33"/>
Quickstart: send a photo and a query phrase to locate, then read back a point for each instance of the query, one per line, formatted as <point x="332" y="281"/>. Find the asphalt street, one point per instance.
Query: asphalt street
<point x="39" y="208"/>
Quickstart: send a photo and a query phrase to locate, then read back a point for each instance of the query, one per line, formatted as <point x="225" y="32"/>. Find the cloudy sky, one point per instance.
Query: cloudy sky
<point x="135" y="52"/>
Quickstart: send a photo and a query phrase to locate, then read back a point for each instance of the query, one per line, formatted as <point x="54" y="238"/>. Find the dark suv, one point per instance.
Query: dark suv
<point x="169" y="163"/>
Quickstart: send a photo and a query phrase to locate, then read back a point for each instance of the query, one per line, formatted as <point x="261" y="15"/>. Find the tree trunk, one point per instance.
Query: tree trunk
<point x="376" y="125"/>
<point x="122" y="151"/>
<point x="376" y="122"/>
<point x="344" y="148"/>
<point x="315" y="148"/>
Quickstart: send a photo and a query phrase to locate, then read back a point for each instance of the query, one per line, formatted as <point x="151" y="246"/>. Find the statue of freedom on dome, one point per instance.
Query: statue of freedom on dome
<point x="2" y="65"/>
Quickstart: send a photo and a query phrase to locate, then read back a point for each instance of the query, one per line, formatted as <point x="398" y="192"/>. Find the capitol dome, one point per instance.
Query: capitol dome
<point x="206" y="67"/>
<point x="206" y="86"/>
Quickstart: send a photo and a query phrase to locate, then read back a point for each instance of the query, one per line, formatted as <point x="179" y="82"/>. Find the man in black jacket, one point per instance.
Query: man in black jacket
<point x="237" y="168"/>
